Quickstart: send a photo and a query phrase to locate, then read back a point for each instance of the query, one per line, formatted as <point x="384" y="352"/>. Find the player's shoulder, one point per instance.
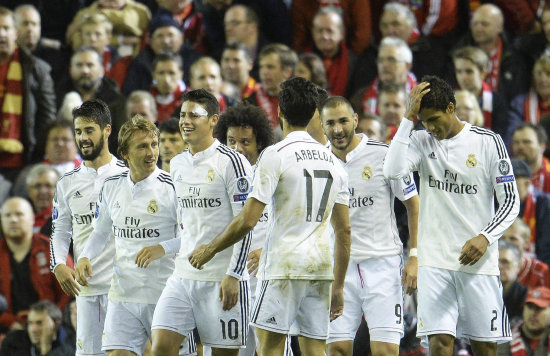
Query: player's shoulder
<point x="229" y="158"/>
<point x="489" y="138"/>
<point x="372" y="146"/>
<point x="67" y="177"/>
<point x="180" y="157"/>
<point x="164" y="178"/>
<point x="115" y="179"/>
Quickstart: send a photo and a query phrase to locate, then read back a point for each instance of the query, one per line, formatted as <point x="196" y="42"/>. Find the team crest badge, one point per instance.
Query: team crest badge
<point x="152" y="207"/>
<point x="210" y="176"/>
<point x="367" y="173"/>
<point x="80" y="345"/>
<point x="471" y="162"/>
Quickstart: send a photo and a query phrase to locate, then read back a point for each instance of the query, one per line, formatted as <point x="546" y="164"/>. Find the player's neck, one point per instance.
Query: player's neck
<point x="536" y="334"/>
<point x="289" y="128"/>
<point x="101" y="160"/>
<point x="201" y="146"/>
<point x="457" y="127"/>
<point x="342" y="154"/>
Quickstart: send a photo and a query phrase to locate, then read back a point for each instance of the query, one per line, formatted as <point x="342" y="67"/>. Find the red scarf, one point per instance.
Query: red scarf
<point x="533" y="108"/>
<point x="250" y="88"/>
<point x="371" y="94"/>
<point x="530" y="219"/>
<point x="334" y="3"/>
<point x="337" y="71"/>
<point x="167" y="104"/>
<point x="541" y="178"/>
<point x="269" y="104"/>
<point x="494" y="65"/>
<point x="533" y="273"/>
<point x="11" y="102"/>
<point x="222" y="103"/>
<point x="518" y="346"/>
<point x="41" y="218"/>
<point x="486" y="104"/>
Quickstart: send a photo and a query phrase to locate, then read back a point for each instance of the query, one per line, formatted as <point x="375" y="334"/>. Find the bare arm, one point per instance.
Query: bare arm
<point x="342" y="229"/>
<point x="410" y="272"/>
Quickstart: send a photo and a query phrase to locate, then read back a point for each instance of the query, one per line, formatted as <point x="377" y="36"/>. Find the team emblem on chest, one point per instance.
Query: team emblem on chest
<point x="152" y="208"/>
<point x="471" y="162"/>
<point x="367" y="173"/>
<point x="210" y="176"/>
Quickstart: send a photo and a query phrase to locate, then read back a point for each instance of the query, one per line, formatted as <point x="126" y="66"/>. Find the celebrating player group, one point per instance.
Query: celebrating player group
<point x="245" y="243"/>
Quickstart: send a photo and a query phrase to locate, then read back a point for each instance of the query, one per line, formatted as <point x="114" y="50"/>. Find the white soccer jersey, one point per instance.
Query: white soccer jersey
<point x="458" y="178"/>
<point x="302" y="180"/>
<point x="371" y="199"/>
<point x="74" y="206"/>
<point x="137" y="215"/>
<point x="211" y="186"/>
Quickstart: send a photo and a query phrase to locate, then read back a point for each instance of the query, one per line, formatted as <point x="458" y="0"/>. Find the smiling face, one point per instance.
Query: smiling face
<point x="339" y="124"/>
<point x="90" y="139"/>
<point x="142" y="155"/>
<point x="243" y="140"/>
<point x="196" y="126"/>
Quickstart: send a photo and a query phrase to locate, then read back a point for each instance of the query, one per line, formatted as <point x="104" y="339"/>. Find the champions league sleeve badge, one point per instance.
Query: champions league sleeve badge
<point x="504" y="167"/>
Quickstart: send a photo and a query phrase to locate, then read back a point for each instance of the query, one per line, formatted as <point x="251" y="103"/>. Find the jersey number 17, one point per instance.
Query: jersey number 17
<point x="323" y="174"/>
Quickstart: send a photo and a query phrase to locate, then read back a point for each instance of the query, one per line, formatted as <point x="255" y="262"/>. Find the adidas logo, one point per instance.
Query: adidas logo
<point x="179" y="178"/>
<point x="77" y="195"/>
<point x="117" y="205"/>
<point x="271" y="320"/>
<point x="432" y="156"/>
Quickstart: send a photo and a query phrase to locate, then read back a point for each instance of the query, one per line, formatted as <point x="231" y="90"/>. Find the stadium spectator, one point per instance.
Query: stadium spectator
<point x="42" y="335"/>
<point x="372" y="125"/>
<point x="391" y="106"/>
<point x="170" y="142"/>
<point x="24" y="257"/>
<point x="141" y="102"/>
<point x="467" y="108"/>
<point x="513" y="292"/>
<point x="236" y="64"/>
<point x="533" y="273"/>
<point x="168" y="85"/>
<point x="61" y="152"/>
<point x="27" y="105"/>
<point x="206" y="74"/>
<point x="40" y="184"/>
<point x="311" y="67"/>
<point x="528" y="144"/>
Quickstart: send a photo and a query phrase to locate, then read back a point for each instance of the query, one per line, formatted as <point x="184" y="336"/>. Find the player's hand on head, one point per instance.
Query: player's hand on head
<point x="83" y="271"/>
<point x="66" y="277"/>
<point x="473" y="250"/>
<point x="148" y="254"/>
<point x="229" y="292"/>
<point x="254" y="261"/>
<point x="200" y="256"/>
<point x="410" y="275"/>
<point x="336" y="303"/>
<point x="414" y="99"/>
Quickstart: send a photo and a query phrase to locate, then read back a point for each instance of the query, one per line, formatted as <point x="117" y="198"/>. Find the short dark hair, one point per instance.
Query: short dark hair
<point x="335" y="101"/>
<point x="439" y="96"/>
<point x="322" y="96"/>
<point x="83" y="49"/>
<point x="287" y="56"/>
<point x="237" y="46"/>
<point x="243" y="116"/>
<point x="374" y="117"/>
<point x="316" y="67"/>
<point x="542" y="137"/>
<point x="297" y="101"/>
<point x="203" y="97"/>
<point x="171" y="126"/>
<point x="51" y="308"/>
<point x="392" y="88"/>
<point x="167" y="57"/>
<point x="59" y="123"/>
<point x="94" y="110"/>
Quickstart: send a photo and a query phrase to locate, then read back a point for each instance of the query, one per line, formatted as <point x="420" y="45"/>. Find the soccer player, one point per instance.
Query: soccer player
<point x="373" y="279"/>
<point x="246" y="129"/>
<point x="460" y="166"/>
<point x="212" y="181"/>
<point x="307" y="188"/>
<point x="139" y="206"/>
<point x="74" y="205"/>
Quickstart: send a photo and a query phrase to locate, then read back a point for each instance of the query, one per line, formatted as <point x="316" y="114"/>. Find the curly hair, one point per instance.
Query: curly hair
<point x="439" y="96"/>
<point x="246" y="116"/>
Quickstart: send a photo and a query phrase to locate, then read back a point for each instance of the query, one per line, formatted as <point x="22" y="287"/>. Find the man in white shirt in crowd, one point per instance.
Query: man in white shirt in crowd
<point x="212" y="181"/>
<point x="307" y="188"/>
<point x="139" y="208"/>
<point x="373" y="279"/>
<point x="461" y="167"/>
<point x="74" y="207"/>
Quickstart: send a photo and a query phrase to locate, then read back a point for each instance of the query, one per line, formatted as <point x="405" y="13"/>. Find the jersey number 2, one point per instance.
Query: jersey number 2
<point x="309" y="193"/>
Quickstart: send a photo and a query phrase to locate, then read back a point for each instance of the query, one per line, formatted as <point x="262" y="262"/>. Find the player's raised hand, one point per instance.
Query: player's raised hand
<point x="66" y="277"/>
<point x="336" y="303"/>
<point x="254" y="261"/>
<point x="229" y="292"/>
<point x="414" y="99"/>
<point x="410" y="274"/>
<point x="148" y="254"/>
<point x="83" y="271"/>
<point x="201" y="255"/>
<point x="473" y="250"/>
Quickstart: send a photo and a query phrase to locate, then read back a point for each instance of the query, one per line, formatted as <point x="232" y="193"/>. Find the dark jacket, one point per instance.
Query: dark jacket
<point x="17" y="342"/>
<point x="44" y="283"/>
<point x="38" y="104"/>
<point x="542" y="214"/>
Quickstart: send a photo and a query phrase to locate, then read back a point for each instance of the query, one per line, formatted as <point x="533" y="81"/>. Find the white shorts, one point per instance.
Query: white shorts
<point x="281" y="302"/>
<point x="461" y="304"/>
<point x="373" y="288"/>
<point x="90" y="319"/>
<point x="186" y="304"/>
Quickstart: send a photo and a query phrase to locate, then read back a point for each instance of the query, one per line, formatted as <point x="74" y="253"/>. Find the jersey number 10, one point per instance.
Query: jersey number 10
<point x="324" y="174"/>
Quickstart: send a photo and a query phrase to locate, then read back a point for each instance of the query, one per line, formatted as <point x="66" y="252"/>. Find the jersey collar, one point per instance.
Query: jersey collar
<point x="143" y="184"/>
<point x="206" y="153"/>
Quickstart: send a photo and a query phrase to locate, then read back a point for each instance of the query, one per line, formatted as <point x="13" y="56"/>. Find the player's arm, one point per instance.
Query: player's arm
<point x="506" y="191"/>
<point x="60" y="242"/>
<point x="97" y="240"/>
<point x="342" y="230"/>
<point x="400" y="160"/>
<point x="410" y="272"/>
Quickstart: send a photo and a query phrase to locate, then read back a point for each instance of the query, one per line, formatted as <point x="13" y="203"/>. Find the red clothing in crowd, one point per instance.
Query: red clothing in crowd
<point x="44" y="282"/>
<point x="534" y="273"/>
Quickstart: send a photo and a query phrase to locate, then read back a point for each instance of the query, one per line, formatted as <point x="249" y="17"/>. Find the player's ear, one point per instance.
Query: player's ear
<point x="214" y="120"/>
<point x="450" y="108"/>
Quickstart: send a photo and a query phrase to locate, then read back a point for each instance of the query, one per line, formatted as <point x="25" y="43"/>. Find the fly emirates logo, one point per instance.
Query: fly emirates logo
<point x="359" y="201"/>
<point x="132" y="230"/>
<point x="451" y="185"/>
<point x="195" y="201"/>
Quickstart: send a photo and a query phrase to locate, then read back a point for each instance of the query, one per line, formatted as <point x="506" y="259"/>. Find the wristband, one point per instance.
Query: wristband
<point x="413" y="252"/>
